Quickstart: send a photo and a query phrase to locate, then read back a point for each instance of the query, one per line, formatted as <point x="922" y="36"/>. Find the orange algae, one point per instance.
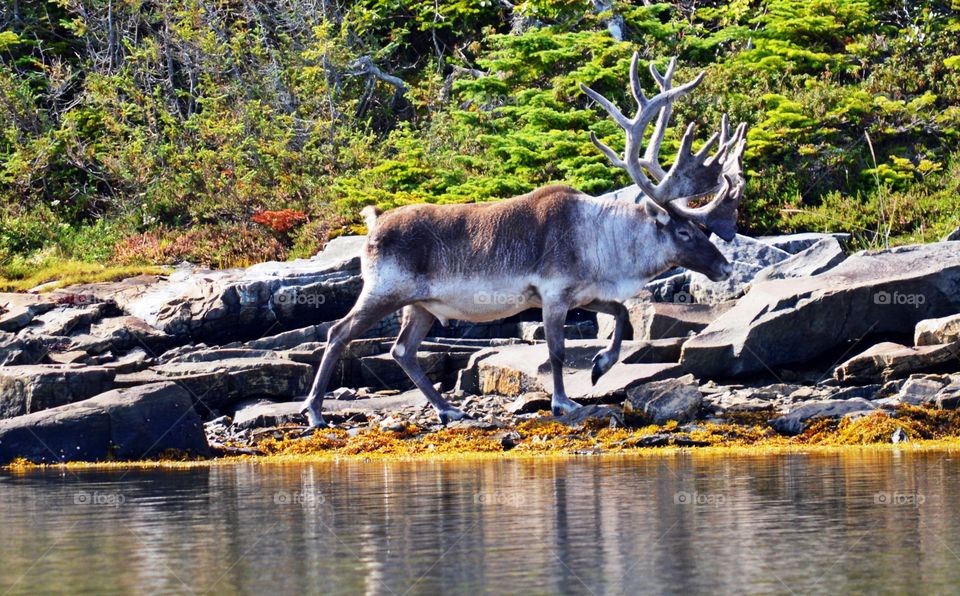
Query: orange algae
<point x="544" y="436"/>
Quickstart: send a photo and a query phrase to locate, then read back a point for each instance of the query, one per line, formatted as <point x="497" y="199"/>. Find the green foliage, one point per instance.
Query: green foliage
<point x="178" y="121"/>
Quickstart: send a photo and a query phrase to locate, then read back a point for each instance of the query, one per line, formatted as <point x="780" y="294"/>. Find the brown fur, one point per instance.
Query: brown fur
<point x="523" y="234"/>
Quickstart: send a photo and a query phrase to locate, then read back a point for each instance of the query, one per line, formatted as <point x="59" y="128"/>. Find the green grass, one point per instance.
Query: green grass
<point x="55" y="274"/>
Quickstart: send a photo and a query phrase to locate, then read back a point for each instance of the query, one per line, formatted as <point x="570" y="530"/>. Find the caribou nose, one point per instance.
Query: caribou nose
<point x="725" y="270"/>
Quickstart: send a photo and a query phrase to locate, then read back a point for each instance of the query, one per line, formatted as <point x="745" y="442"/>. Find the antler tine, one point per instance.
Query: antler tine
<point x="606" y="150"/>
<point x="724" y="128"/>
<point x="635" y="87"/>
<point x="663" y="80"/>
<point x="635" y="127"/>
<point x="704" y="153"/>
<point x="607" y="105"/>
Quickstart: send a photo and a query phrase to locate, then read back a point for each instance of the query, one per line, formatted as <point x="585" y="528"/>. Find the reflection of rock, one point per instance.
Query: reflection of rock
<point x="795" y="320"/>
<point x="888" y="360"/>
<point x="798" y="418"/>
<point x="125" y="424"/>
<point x="31" y="388"/>
<point x="662" y="401"/>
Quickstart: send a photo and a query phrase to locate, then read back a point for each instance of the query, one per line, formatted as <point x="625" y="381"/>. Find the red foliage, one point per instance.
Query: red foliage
<point x="281" y="221"/>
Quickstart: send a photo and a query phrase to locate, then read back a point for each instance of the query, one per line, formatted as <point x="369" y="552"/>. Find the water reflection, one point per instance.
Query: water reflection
<point x="690" y="524"/>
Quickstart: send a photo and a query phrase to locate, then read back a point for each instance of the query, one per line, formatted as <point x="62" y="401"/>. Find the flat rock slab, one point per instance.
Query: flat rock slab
<point x="18" y="310"/>
<point x="794" y="243"/>
<point x="944" y="330"/>
<point x="32" y="388"/>
<point x="797" y="419"/>
<point x="216" y="385"/>
<point x="795" y="320"/>
<point x="269" y="415"/>
<point x="514" y="370"/>
<point x="125" y="424"/>
<point x="888" y="360"/>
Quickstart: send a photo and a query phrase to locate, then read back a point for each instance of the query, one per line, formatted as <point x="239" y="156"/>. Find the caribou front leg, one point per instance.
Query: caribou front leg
<point x="365" y="314"/>
<point x="606" y="358"/>
<point x="554" y="317"/>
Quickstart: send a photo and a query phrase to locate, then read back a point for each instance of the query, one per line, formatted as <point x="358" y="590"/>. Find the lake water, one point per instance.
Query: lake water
<point x="847" y="523"/>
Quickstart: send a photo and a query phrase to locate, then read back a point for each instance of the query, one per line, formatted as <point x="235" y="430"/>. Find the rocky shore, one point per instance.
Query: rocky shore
<point x="209" y="363"/>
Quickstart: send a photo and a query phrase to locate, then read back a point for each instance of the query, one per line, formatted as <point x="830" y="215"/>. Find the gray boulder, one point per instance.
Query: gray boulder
<point x="795" y="320"/>
<point x="748" y="257"/>
<point x="798" y="418"/>
<point x="31" y="388"/>
<point x="822" y="256"/>
<point x="126" y="424"/>
<point x="659" y="402"/>
<point x="528" y="403"/>
<point x="944" y="330"/>
<point x="263" y="415"/>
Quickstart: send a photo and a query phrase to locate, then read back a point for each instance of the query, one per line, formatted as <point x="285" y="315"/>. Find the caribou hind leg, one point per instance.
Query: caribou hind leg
<point x="554" y="317"/>
<point x="606" y="358"/>
<point x="415" y="326"/>
<point x="366" y="313"/>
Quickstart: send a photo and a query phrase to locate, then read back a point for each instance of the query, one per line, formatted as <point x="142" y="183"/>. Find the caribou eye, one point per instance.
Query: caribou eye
<point x="684" y="235"/>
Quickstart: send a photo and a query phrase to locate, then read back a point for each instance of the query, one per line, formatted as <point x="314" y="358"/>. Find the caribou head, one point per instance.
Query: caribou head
<point x="692" y="175"/>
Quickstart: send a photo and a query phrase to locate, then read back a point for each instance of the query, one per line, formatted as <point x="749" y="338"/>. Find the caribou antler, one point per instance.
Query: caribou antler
<point x="692" y="175"/>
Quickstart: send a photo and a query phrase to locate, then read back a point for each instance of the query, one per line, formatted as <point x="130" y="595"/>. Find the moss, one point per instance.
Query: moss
<point x="65" y="273"/>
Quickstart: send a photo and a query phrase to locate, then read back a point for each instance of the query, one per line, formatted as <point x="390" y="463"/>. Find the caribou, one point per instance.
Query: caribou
<point x="554" y="248"/>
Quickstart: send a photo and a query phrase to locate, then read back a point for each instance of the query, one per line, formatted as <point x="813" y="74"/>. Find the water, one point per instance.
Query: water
<point x="847" y="523"/>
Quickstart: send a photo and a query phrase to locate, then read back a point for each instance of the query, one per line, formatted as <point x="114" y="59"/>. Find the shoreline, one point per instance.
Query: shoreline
<point x="947" y="445"/>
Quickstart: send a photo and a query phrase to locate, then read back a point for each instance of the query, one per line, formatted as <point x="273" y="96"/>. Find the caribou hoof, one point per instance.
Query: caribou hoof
<point x="602" y="362"/>
<point x="448" y="415"/>
<point x="561" y="407"/>
<point x="314" y="417"/>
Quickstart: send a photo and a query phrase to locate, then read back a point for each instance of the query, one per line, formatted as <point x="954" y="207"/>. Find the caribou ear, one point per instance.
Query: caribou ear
<point x="656" y="212"/>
